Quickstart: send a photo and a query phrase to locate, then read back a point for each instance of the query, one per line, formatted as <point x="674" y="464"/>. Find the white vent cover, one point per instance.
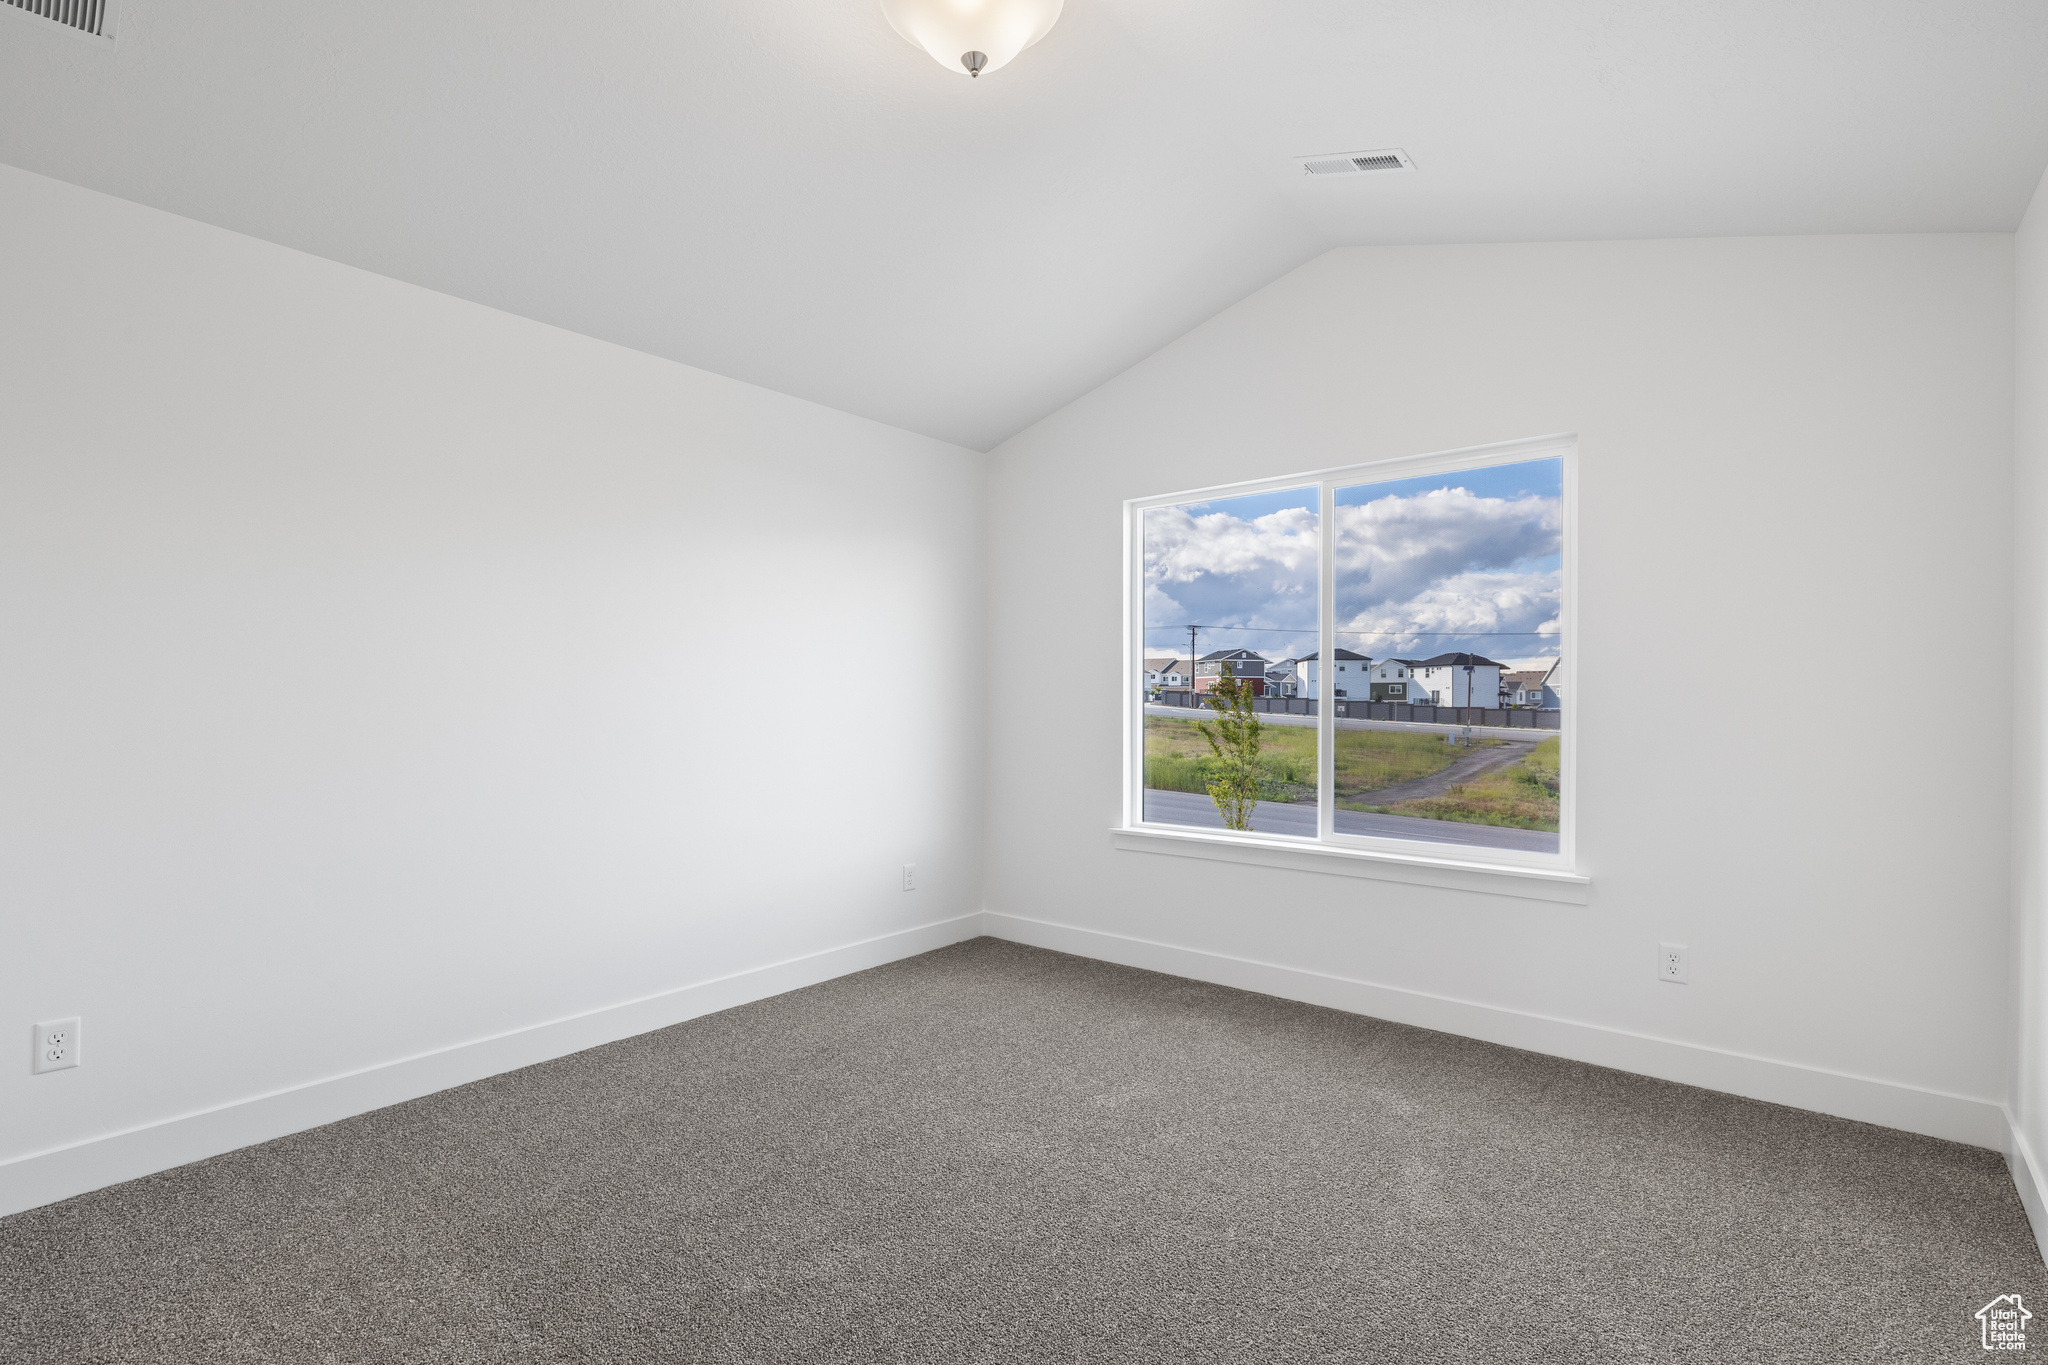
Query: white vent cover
<point x="87" y="16"/>
<point x="1356" y="163"/>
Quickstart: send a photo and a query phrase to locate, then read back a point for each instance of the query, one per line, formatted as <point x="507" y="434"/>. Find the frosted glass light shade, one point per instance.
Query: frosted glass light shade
<point x="950" y="29"/>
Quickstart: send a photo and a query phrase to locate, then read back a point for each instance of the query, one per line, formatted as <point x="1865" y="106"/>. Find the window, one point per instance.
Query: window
<point x="1457" y="566"/>
<point x="1197" y="594"/>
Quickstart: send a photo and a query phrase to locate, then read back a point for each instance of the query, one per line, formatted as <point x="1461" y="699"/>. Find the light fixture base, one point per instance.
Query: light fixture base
<point x="970" y="37"/>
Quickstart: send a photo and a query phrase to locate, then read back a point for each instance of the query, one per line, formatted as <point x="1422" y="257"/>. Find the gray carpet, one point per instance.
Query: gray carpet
<point x="992" y="1153"/>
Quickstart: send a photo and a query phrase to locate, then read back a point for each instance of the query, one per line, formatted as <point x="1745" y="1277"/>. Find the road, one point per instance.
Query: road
<point x="1277" y="817"/>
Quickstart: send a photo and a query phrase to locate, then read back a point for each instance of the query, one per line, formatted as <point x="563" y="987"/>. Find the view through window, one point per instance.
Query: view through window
<point x="1436" y="679"/>
<point x="1232" y="585"/>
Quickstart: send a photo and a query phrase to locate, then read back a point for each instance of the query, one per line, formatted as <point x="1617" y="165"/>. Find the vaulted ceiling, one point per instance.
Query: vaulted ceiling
<point x="786" y="192"/>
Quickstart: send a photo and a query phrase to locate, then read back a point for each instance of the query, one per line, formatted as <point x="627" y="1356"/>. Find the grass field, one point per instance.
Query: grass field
<point x="1177" y="758"/>
<point x="1522" y="795"/>
<point x="1368" y="760"/>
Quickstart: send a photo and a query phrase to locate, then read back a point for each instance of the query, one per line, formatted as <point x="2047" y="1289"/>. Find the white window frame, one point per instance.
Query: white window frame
<point x="1545" y="876"/>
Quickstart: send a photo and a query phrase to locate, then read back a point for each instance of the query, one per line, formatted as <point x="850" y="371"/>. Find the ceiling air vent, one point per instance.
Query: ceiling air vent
<point x="87" y="16"/>
<point x="1354" y="163"/>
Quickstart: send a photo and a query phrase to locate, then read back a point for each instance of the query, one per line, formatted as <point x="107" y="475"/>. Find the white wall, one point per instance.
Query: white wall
<point x="351" y="631"/>
<point x="2030" y="697"/>
<point x="351" y="710"/>
<point x="1794" y="445"/>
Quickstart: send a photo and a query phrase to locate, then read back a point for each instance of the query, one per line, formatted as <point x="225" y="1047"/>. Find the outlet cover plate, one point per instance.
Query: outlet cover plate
<point x="1673" y="963"/>
<point x="56" y="1046"/>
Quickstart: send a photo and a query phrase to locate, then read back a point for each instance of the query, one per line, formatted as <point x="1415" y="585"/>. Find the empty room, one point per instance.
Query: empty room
<point x="1159" y="681"/>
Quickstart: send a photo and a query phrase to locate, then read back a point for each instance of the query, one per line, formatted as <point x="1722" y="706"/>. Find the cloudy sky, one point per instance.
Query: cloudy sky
<point x="1467" y="561"/>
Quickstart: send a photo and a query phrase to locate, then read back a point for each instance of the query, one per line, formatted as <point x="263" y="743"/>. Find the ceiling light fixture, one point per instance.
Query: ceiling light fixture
<point x="972" y="35"/>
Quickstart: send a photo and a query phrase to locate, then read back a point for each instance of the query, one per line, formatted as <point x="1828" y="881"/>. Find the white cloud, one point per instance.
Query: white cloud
<point x="1489" y="613"/>
<point x="1428" y="573"/>
<point x="1393" y="549"/>
<point x="1221" y="570"/>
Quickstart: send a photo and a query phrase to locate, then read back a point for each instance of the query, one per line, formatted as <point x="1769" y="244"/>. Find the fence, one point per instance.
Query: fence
<point x="1510" y="717"/>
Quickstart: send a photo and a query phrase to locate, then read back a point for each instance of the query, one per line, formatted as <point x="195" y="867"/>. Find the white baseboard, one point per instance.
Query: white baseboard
<point x="44" y="1177"/>
<point x="2026" y="1178"/>
<point x="1980" y="1123"/>
<point x="39" y="1178"/>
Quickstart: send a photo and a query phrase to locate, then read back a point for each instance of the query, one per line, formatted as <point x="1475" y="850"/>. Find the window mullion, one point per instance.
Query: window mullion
<point x="1326" y="656"/>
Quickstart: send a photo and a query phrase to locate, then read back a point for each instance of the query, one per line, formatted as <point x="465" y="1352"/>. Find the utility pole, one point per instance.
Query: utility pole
<point x="1191" y="665"/>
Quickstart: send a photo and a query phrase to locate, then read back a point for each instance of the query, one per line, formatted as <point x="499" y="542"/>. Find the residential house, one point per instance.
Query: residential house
<point x="1454" y="680"/>
<point x="1243" y="664"/>
<point x="1554" y="684"/>
<point x="1529" y="687"/>
<point x="1167" y="672"/>
<point x="1391" y="680"/>
<point x="1347" y="679"/>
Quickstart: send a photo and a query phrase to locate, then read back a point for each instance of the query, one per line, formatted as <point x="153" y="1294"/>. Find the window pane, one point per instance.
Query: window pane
<point x="1450" y="586"/>
<point x="1242" y="574"/>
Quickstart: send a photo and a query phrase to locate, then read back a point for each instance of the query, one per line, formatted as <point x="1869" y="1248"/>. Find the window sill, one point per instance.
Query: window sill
<point x="1494" y="879"/>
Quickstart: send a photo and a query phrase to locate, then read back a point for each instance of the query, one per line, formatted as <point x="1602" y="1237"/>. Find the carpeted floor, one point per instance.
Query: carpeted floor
<point x="993" y="1153"/>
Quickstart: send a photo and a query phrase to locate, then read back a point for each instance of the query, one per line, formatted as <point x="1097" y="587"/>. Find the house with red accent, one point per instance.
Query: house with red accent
<point x="1243" y="664"/>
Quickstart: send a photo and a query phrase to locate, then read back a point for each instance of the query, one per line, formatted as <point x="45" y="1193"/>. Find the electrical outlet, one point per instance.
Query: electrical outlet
<point x="56" y="1045"/>
<point x="910" y="876"/>
<point x="1671" y="963"/>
